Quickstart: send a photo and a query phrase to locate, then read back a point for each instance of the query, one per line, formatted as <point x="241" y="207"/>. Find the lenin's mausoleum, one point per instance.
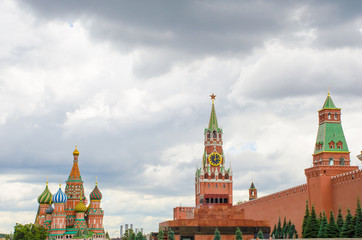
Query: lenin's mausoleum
<point x="332" y="183"/>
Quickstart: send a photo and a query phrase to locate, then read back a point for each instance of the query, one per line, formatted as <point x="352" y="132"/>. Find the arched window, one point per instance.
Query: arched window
<point x="208" y="135"/>
<point x="335" y="116"/>
<point x="341" y="161"/>
<point x="331" y="144"/>
<point x="331" y="161"/>
<point x="252" y="192"/>
<point x="214" y="134"/>
<point x="329" y="115"/>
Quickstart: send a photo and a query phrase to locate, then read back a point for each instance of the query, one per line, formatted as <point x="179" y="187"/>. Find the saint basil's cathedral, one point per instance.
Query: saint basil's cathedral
<point x="70" y="217"/>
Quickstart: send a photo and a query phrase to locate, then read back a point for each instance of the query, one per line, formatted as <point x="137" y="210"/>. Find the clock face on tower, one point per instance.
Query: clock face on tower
<point x="215" y="159"/>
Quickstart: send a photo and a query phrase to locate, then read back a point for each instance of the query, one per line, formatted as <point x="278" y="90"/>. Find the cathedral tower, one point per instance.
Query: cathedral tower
<point x="74" y="190"/>
<point x="330" y="158"/>
<point x="95" y="212"/>
<point x="213" y="182"/>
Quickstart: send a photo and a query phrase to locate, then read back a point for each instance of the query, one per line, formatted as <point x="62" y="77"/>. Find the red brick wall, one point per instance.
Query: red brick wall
<point x="289" y="203"/>
<point x="346" y="188"/>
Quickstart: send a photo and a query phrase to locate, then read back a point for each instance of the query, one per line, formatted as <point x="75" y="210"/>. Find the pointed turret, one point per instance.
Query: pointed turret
<point x="253" y="192"/>
<point x="74" y="173"/>
<point x="213" y="120"/>
<point x="331" y="146"/>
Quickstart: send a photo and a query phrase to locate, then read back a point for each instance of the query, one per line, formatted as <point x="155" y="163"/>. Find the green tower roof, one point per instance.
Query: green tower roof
<point x="213" y="120"/>
<point x="328" y="132"/>
<point x="252" y="186"/>
<point x="328" y="103"/>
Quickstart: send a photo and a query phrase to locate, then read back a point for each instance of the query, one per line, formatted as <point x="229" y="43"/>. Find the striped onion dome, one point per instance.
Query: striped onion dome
<point x="80" y="207"/>
<point x="59" y="197"/>
<point x="49" y="210"/>
<point x="95" y="194"/>
<point x="45" y="197"/>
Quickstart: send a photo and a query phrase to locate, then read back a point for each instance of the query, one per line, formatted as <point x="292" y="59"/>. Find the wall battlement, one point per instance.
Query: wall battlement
<point x="347" y="177"/>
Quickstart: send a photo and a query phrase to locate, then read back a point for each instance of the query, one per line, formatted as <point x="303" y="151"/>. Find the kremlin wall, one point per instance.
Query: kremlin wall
<point x="331" y="183"/>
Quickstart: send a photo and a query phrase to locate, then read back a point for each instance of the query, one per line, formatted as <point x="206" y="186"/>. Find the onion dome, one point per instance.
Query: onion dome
<point x="49" y="210"/>
<point x="95" y="194"/>
<point x="45" y="197"/>
<point x="59" y="197"/>
<point x="80" y="207"/>
<point x="75" y="151"/>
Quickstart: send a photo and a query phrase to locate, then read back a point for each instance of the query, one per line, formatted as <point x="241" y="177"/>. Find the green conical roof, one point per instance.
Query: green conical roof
<point x="213" y="120"/>
<point x="252" y="186"/>
<point x="328" y="103"/>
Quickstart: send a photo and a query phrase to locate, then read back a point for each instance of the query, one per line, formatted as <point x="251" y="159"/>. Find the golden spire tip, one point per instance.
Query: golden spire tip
<point x="96" y="180"/>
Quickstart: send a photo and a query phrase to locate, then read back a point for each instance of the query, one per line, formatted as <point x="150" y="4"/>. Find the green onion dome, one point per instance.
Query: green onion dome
<point x="45" y="197"/>
<point x="95" y="194"/>
<point x="49" y="210"/>
<point x="80" y="207"/>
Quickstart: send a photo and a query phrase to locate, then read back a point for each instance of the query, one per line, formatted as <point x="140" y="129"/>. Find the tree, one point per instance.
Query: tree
<point x="284" y="229"/>
<point x="238" y="234"/>
<point x="260" y="234"/>
<point x="323" y="225"/>
<point x="305" y="219"/>
<point x="29" y="231"/>
<point x="160" y="235"/>
<point x="107" y="235"/>
<point x="217" y="235"/>
<point x="358" y="217"/>
<point x="278" y="232"/>
<point x="332" y="230"/>
<point x="340" y="220"/>
<point x="128" y="235"/>
<point x="312" y="228"/>
<point x="347" y="229"/>
<point x="274" y="230"/>
<point x="171" y="234"/>
<point x="292" y="232"/>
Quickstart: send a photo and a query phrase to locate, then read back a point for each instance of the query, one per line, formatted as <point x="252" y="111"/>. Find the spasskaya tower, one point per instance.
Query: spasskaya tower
<point x="213" y="182"/>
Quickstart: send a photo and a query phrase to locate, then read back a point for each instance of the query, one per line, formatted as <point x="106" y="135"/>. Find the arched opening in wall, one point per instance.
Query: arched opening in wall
<point x="341" y="161"/>
<point x="339" y="145"/>
<point x="219" y="135"/>
<point x="335" y="116"/>
<point x="329" y="115"/>
<point x="206" y="176"/>
<point x="331" y="161"/>
<point x="214" y="134"/>
<point x="252" y="193"/>
<point x="220" y="176"/>
<point x="212" y="175"/>
<point x="331" y="144"/>
<point x="208" y="135"/>
<point x="226" y="176"/>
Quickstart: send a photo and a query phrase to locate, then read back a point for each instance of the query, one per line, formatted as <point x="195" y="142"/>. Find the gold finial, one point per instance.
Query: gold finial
<point x="96" y="180"/>
<point x="213" y="96"/>
<point x="47" y="180"/>
<point x="328" y="91"/>
<point x="60" y="183"/>
<point x="76" y="151"/>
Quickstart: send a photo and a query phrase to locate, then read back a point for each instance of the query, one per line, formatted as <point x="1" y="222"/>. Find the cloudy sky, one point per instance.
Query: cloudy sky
<point x="129" y="83"/>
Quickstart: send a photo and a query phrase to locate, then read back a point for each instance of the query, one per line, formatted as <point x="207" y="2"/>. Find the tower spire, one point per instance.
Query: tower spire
<point x="213" y="120"/>
<point x="74" y="173"/>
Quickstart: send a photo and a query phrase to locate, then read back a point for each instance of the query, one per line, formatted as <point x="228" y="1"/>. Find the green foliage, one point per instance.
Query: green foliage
<point x="260" y="234"/>
<point x="238" y="234"/>
<point x="322" y="225"/>
<point x="312" y="227"/>
<point x="274" y="230"/>
<point x="358" y="221"/>
<point x="139" y="236"/>
<point x="160" y="235"/>
<point x="340" y="220"/>
<point x="305" y="220"/>
<point x="29" y="231"/>
<point x="347" y="229"/>
<point x="129" y="235"/>
<point x="331" y="230"/>
<point x="284" y="229"/>
<point x="107" y="235"/>
<point x="292" y="232"/>
<point x="278" y="232"/>
<point x="217" y="235"/>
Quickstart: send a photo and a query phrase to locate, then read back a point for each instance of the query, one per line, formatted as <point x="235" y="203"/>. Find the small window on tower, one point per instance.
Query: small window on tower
<point x="335" y="116"/>
<point x="329" y="115"/>
<point x="331" y="161"/>
<point x="214" y="134"/>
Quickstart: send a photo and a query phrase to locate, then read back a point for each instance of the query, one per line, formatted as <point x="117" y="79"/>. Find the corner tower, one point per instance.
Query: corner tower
<point x="213" y="182"/>
<point x="330" y="158"/>
<point x="331" y="146"/>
